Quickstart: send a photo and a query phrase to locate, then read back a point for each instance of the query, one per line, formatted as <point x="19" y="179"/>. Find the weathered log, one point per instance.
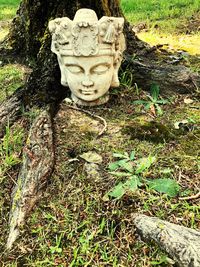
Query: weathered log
<point x="37" y="166"/>
<point x="181" y="243"/>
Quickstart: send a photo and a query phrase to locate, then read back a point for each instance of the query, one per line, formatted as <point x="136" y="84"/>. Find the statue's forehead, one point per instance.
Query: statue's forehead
<point x="88" y="61"/>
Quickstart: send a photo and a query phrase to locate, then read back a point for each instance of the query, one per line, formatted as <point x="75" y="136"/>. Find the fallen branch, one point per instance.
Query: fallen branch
<point x="37" y="166"/>
<point x="182" y="243"/>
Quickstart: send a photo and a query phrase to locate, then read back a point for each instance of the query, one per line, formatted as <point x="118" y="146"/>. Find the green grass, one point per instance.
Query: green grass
<point x="11" y="77"/>
<point x="8" y="9"/>
<point x="10" y="150"/>
<point x="174" y="22"/>
<point x="167" y="14"/>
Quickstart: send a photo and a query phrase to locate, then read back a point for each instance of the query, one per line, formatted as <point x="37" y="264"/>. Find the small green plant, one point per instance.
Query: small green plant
<point x="126" y="78"/>
<point x="133" y="169"/>
<point x="56" y="248"/>
<point x="154" y="101"/>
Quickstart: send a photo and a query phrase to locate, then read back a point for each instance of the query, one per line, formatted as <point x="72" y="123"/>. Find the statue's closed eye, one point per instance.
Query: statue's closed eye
<point x="75" y="69"/>
<point x="100" y="69"/>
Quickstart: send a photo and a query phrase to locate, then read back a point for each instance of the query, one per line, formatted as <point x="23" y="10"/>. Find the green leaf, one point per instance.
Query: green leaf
<point x="132" y="183"/>
<point x="163" y="259"/>
<point x="126" y="166"/>
<point x="118" y="191"/>
<point x="139" y="102"/>
<point x="144" y="164"/>
<point x="159" y="110"/>
<point x="113" y="166"/>
<point x="167" y="186"/>
<point x="132" y="155"/>
<point x="151" y="99"/>
<point x="121" y="174"/>
<point x="162" y="101"/>
<point x="116" y="164"/>
<point x="154" y="91"/>
<point x="148" y="105"/>
<point x="55" y="249"/>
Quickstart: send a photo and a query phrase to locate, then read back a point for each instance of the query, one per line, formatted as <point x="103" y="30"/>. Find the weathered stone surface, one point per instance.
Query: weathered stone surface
<point x="89" y="53"/>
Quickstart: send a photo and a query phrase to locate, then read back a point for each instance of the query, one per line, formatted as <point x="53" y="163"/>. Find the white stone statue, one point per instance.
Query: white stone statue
<point x="89" y="53"/>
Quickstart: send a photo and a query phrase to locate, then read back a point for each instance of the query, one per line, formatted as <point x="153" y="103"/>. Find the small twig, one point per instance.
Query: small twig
<point x="92" y="115"/>
<point x="11" y="178"/>
<point x="190" y="197"/>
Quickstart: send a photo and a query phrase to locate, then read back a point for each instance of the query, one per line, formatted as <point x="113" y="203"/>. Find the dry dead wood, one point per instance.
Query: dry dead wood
<point x="181" y="243"/>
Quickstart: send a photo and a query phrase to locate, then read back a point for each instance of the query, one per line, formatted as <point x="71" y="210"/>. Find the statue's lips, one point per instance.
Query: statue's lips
<point x="88" y="91"/>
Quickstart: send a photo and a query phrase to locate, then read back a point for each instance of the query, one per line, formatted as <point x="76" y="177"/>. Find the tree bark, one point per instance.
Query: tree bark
<point x="37" y="166"/>
<point x="29" y="37"/>
<point x="182" y="244"/>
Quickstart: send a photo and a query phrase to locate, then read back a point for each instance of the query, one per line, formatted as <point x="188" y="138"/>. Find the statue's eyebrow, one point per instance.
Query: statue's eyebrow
<point x="102" y="63"/>
<point x="72" y="64"/>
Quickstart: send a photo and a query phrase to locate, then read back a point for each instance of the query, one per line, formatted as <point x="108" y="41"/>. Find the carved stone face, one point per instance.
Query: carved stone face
<point x="89" y="78"/>
<point x="89" y="53"/>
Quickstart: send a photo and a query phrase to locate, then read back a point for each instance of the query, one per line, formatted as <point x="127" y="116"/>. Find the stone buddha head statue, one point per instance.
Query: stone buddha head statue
<point x="89" y="53"/>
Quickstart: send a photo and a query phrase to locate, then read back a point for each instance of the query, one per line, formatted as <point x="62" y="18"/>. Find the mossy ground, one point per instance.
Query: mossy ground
<point x="74" y="224"/>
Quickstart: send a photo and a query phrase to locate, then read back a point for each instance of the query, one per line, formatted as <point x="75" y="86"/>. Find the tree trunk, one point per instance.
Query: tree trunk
<point x="182" y="244"/>
<point x="29" y="37"/>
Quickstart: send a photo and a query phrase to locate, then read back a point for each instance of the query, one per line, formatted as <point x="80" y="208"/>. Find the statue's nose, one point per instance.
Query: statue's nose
<point x="87" y="82"/>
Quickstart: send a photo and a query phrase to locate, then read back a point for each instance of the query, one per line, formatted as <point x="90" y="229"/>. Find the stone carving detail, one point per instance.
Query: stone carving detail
<point x="89" y="53"/>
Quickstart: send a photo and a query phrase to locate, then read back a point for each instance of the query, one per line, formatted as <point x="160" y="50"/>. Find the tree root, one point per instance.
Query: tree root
<point x="170" y="78"/>
<point x="37" y="166"/>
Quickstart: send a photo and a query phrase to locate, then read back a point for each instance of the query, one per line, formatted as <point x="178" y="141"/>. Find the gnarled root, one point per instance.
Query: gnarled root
<point x="37" y="166"/>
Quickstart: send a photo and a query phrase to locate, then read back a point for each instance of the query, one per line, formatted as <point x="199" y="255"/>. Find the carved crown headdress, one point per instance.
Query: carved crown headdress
<point x="86" y="35"/>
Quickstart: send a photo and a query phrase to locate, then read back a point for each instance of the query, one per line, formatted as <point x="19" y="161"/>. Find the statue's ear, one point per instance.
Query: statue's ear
<point x="63" y="72"/>
<point x="52" y="26"/>
<point x="118" y="60"/>
<point x="115" y="78"/>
